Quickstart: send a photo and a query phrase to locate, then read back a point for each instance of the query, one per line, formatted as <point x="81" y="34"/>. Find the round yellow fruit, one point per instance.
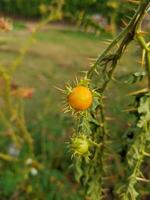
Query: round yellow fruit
<point x="80" y="98"/>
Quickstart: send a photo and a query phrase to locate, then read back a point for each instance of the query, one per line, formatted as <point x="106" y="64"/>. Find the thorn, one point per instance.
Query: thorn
<point x="68" y="88"/>
<point x="59" y="89"/>
<point x="84" y="72"/>
<point x="76" y="81"/>
<point x="128" y="17"/>
<point x="66" y="111"/>
<point x="141" y="175"/>
<point x="96" y="71"/>
<point x="91" y="64"/>
<point x="137" y="92"/>
<point x="110" y="118"/>
<point x="130" y="110"/>
<point x="146" y="154"/>
<point x="124" y="23"/>
<point x="140" y="62"/>
<point x="143" y="179"/>
<point x="122" y="28"/>
<point x="113" y="78"/>
<point x="108" y="40"/>
<point x="133" y="1"/>
<point x="92" y="59"/>
<point x="118" y="46"/>
<point x="143" y="33"/>
<point x="104" y="97"/>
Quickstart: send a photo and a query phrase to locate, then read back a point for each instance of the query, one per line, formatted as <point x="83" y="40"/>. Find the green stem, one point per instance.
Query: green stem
<point x="144" y="46"/>
<point x="130" y="28"/>
<point x="126" y="36"/>
<point x="148" y="68"/>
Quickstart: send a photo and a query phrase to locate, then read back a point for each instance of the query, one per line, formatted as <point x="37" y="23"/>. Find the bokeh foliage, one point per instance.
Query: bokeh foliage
<point x="31" y="9"/>
<point x="48" y="175"/>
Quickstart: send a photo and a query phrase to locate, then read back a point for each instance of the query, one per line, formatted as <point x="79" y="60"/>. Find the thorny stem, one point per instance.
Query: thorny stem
<point x="127" y="35"/>
<point x="143" y="135"/>
<point x="144" y="46"/>
<point x="148" y="68"/>
<point x="129" y="29"/>
<point x="136" y="169"/>
<point x="115" y="59"/>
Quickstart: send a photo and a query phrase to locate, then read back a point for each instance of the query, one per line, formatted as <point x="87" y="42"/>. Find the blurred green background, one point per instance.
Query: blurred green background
<point x="59" y="53"/>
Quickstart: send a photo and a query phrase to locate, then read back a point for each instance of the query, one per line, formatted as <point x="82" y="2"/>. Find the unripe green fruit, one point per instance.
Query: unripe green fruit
<point x="80" y="145"/>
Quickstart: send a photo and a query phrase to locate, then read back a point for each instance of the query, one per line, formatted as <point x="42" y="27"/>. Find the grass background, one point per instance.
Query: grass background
<point x="57" y="55"/>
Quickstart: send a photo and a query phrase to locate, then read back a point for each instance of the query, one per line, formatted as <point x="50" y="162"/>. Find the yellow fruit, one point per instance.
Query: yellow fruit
<point x="80" y="98"/>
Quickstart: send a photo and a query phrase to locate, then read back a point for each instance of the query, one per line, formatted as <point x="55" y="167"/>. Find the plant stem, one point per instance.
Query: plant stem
<point x="145" y="46"/>
<point x="124" y="38"/>
<point x="131" y="27"/>
<point x="148" y="68"/>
